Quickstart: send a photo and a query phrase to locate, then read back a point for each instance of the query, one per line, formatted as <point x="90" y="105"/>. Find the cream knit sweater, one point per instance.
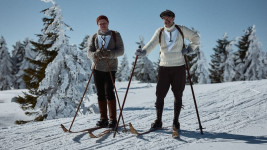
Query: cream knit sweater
<point x="172" y="55"/>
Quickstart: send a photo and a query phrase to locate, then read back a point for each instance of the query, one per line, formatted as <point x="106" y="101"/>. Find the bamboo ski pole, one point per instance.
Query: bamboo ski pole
<point x="82" y="96"/>
<point x="125" y="97"/>
<point x="189" y="78"/>
<point x="113" y="82"/>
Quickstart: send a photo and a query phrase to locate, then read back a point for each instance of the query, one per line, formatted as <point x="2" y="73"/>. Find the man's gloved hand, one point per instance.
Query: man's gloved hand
<point x="140" y="52"/>
<point x="98" y="54"/>
<point x="187" y="50"/>
<point x="105" y="53"/>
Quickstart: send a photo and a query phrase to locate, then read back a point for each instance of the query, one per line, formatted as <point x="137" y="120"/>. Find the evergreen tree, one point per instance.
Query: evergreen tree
<point x="254" y="60"/>
<point x="243" y="45"/>
<point x="6" y="77"/>
<point x="199" y="69"/>
<point x="265" y="65"/>
<point x="24" y="78"/>
<point x="64" y="84"/>
<point x="192" y="61"/>
<point x="123" y="71"/>
<point x="18" y="54"/>
<point x="65" y="80"/>
<point x="219" y="57"/>
<point x="144" y="69"/>
<point x="229" y="64"/>
<point x="84" y="43"/>
<point x="46" y="49"/>
<point x="29" y="54"/>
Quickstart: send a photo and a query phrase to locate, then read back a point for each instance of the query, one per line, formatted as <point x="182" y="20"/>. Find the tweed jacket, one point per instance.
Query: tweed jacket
<point x="115" y="51"/>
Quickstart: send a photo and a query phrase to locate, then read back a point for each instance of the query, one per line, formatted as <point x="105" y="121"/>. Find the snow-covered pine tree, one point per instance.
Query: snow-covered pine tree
<point x="84" y="43"/>
<point x="243" y="44"/>
<point x="84" y="46"/>
<point x="192" y="60"/>
<point x="124" y="70"/>
<point x="216" y="70"/>
<point x="6" y="77"/>
<point x="144" y="69"/>
<point x="229" y="64"/>
<point x="18" y="54"/>
<point x="24" y="78"/>
<point x="240" y="55"/>
<point x="50" y="41"/>
<point x="265" y="65"/>
<point x="65" y="81"/>
<point x="200" y="68"/>
<point x="29" y="54"/>
<point x="254" y="66"/>
<point x="64" y="84"/>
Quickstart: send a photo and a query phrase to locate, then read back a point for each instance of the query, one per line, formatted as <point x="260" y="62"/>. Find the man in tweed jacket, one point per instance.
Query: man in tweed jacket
<point x="105" y="44"/>
<point x="172" y="63"/>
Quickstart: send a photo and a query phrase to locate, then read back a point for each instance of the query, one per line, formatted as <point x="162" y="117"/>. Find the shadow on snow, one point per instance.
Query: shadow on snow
<point x="142" y="108"/>
<point x="225" y="136"/>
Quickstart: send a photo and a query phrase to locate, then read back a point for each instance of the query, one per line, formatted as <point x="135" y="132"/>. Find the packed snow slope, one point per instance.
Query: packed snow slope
<point x="233" y="114"/>
<point x="10" y="111"/>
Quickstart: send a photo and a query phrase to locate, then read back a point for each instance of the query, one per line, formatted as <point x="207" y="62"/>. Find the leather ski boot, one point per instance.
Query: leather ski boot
<point x="112" y="124"/>
<point x="103" y="114"/>
<point x="102" y="123"/>
<point x="158" y="123"/>
<point x="176" y="125"/>
<point x="112" y="114"/>
<point x="177" y="110"/>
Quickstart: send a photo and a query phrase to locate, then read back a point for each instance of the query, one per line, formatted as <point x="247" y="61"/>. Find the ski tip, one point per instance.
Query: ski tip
<point x="132" y="130"/>
<point x="91" y="135"/>
<point x="64" y="129"/>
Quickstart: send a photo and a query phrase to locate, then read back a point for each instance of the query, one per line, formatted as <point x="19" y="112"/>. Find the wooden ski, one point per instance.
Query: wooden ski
<point x="85" y="130"/>
<point x="133" y="131"/>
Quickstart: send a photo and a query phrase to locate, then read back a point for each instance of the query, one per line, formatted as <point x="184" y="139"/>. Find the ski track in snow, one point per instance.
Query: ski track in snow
<point x="232" y="113"/>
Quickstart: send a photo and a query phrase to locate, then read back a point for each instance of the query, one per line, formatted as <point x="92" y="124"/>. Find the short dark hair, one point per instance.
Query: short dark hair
<point x="168" y="13"/>
<point x="101" y="17"/>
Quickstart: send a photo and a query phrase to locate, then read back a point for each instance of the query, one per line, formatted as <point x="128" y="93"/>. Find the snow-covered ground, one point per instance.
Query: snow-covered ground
<point x="10" y="111"/>
<point x="234" y="115"/>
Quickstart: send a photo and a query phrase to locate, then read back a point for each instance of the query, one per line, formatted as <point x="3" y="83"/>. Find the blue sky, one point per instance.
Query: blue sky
<point x="132" y="18"/>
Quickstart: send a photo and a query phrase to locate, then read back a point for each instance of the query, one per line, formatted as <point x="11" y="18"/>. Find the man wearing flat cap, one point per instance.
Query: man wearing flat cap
<point x="105" y="44"/>
<point x="172" y="64"/>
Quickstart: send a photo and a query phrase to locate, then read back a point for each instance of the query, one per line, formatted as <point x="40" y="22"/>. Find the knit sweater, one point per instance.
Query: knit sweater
<point x="115" y="51"/>
<point x="171" y="54"/>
